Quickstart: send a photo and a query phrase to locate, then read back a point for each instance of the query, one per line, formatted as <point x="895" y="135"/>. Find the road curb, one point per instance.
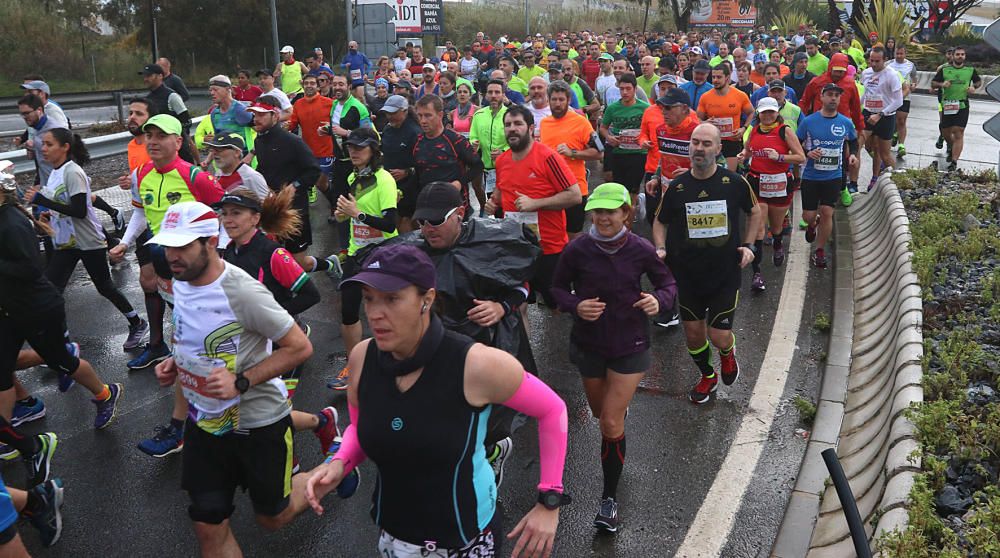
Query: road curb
<point x="871" y="376"/>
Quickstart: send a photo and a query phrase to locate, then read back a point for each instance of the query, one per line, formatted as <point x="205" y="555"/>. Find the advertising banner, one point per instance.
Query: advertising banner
<point x="723" y="14"/>
<point x="414" y="17"/>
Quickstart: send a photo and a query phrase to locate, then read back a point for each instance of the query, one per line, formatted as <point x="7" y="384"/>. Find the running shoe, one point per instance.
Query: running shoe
<point x="501" y="453"/>
<point x="819" y="259"/>
<point x="802" y="224"/>
<point x="330" y="431"/>
<point x="24" y="413"/>
<point x="48" y="520"/>
<point x="778" y="257"/>
<point x="107" y="410"/>
<point x="40" y="464"/>
<point x="8" y="453"/>
<point x="702" y="391"/>
<point x="166" y="441"/>
<point x="852" y="186"/>
<point x="667" y="320"/>
<point x="136" y="333"/>
<point x="758" y="282"/>
<point x="730" y="368"/>
<point x="895" y="138"/>
<point x="118" y="217"/>
<point x="872" y="185"/>
<point x="901" y="152"/>
<point x="349" y="484"/>
<point x="811" y="234"/>
<point x="952" y="166"/>
<point x="65" y="380"/>
<point x="340" y="382"/>
<point x="336" y="271"/>
<point x="312" y="195"/>
<point x="607" y="516"/>
<point x="846" y="198"/>
<point x="939" y="143"/>
<point x="767" y="238"/>
<point x="150" y="356"/>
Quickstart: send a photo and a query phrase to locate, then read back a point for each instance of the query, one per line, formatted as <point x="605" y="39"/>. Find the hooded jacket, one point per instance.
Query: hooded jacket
<point x="850" y="100"/>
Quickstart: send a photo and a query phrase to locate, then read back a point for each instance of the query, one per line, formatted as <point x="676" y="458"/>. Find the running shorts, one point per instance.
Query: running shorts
<point x="820" y="192"/>
<point x="957" y="120"/>
<point x="259" y="460"/>
<point x="152" y="254"/>
<point x="484" y="545"/>
<point x="593" y="365"/>
<point x="885" y="127"/>
<point x="906" y="106"/>
<point x="783" y="201"/>
<point x="731" y="148"/>
<point x="717" y="306"/>
<point x="628" y="170"/>
<point x="575" y="216"/>
<point x="8" y="515"/>
<point x="45" y="332"/>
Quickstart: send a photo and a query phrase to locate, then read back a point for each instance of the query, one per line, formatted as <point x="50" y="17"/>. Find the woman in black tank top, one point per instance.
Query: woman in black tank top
<point x="419" y="403"/>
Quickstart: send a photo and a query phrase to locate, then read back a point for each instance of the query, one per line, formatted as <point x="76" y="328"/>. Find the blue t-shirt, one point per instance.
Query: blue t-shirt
<point x="829" y="135"/>
<point x="759" y="94"/>
<point x="235" y="120"/>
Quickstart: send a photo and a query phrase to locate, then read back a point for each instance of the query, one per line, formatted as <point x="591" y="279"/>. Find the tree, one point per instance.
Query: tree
<point x="681" y="10"/>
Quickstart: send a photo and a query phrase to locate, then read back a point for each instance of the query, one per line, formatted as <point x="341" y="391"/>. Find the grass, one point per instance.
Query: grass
<point x="822" y="322"/>
<point x="806" y="409"/>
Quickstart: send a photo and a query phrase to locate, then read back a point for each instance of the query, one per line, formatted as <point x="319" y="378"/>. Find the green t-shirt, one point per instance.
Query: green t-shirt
<point x="817" y="64"/>
<point x="961" y="79"/>
<point x="518" y="84"/>
<point x="716" y="60"/>
<point x="526" y="73"/>
<point x="372" y="200"/>
<point x="624" y="122"/>
<point x="647" y="85"/>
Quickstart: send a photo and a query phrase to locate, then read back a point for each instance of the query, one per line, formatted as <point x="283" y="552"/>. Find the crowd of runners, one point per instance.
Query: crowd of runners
<point x="459" y="190"/>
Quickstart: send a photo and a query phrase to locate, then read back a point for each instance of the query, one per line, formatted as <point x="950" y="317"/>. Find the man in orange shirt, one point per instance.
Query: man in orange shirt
<point x="652" y="118"/>
<point x="311" y="113"/>
<point x="571" y="135"/>
<point x="726" y="107"/>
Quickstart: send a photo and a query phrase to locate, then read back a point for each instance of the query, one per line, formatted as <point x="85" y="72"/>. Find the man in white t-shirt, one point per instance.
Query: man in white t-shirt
<point x="538" y="102"/>
<point x="606" y="79"/>
<point x="883" y="96"/>
<point x="266" y="81"/>
<point x="908" y="72"/>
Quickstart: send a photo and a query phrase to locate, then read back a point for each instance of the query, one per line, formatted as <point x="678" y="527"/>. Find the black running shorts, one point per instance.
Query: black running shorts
<point x="593" y="365"/>
<point x="716" y="306"/>
<point x="957" y="120"/>
<point x="820" y="192"/>
<point x="885" y="127"/>
<point x="45" y="332"/>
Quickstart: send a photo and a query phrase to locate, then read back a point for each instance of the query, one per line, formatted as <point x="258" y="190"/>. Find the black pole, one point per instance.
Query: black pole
<point x="152" y="32"/>
<point x="847" y="502"/>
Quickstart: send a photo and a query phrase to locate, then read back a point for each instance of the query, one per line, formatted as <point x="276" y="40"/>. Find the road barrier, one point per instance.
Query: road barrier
<point x="872" y="375"/>
<point x="8" y="105"/>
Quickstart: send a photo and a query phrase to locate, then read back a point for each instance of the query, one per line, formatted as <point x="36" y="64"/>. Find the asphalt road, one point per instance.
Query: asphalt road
<point x="123" y="503"/>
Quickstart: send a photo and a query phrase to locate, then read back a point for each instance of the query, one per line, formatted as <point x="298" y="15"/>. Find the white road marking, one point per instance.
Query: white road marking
<point x="711" y="527"/>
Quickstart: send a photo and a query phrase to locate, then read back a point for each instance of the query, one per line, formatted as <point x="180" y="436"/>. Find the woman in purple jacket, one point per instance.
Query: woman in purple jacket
<point x="598" y="280"/>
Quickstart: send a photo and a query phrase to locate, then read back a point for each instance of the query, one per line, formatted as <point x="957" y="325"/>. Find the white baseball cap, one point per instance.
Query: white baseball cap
<point x="7" y="181"/>
<point x="766" y="104"/>
<point x="186" y="222"/>
<point x="287" y="48"/>
<point x="221" y="80"/>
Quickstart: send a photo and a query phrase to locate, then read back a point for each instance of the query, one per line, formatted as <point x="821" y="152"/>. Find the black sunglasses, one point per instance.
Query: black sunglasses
<point x="429" y="223"/>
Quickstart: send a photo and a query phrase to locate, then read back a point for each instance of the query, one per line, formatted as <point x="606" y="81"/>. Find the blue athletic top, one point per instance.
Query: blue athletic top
<point x="829" y="135"/>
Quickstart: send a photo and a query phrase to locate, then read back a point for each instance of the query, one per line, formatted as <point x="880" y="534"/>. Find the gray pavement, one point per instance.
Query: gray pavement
<point x="121" y="502"/>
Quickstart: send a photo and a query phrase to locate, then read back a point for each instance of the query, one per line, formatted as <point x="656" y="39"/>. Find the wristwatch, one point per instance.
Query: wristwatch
<point x="553" y="500"/>
<point x="361" y="217"/>
<point x="242" y="383"/>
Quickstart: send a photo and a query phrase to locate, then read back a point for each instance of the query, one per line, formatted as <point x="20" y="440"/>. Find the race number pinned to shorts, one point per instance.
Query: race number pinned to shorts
<point x="829" y="159"/>
<point x="707" y="219"/>
<point x="355" y="75"/>
<point x="629" y="139"/>
<point x="725" y="126"/>
<point x="773" y="185"/>
<point x="527" y="218"/>
<point x="193" y="373"/>
<point x="490" y="181"/>
<point x="951" y="106"/>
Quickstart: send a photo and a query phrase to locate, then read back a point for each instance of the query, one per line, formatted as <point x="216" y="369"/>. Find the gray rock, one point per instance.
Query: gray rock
<point x="951" y="502"/>
<point x="969" y="222"/>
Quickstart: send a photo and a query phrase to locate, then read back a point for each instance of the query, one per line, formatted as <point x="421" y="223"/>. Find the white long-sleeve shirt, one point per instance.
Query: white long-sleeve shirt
<point x="883" y="91"/>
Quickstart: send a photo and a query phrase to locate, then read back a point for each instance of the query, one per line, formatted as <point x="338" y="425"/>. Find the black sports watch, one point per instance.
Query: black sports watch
<point x="242" y="383"/>
<point x="553" y="500"/>
<point x="362" y="217"/>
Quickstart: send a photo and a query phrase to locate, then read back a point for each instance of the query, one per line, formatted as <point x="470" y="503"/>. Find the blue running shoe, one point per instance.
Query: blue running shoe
<point x="150" y="356"/>
<point x="48" y="520"/>
<point x="65" y="380"/>
<point x="107" y="410"/>
<point x="349" y="485"/>
<point x="8" y="453"/>
<point x="166" y="441"/>
<point x="25" y="413"/>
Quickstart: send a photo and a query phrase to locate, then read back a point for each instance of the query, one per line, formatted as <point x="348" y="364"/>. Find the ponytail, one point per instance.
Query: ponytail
<point x="77" y="149"/>
<point x="277" y="218"/>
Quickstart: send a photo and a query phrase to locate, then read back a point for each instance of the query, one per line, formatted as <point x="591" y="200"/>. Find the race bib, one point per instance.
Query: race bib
<point x="951" y="106"/>
<point x="193" y="373"/>
<point x="166" y="289"/>
<point x="527" y="218"/>
<point x="707" y="219"/>
<point x="773" y="185"/>
<point x="490" y="181"/>
<point x="874" y="103"/>
<point x="629" y="139"/>
<point x="363" y="234"/>
<point x="355" y="75"/>
<point x="829" y="159"/>
<point x="725" y="126"/>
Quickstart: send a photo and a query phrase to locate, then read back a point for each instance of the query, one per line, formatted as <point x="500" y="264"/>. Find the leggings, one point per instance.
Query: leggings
<point x="63" y="262"/>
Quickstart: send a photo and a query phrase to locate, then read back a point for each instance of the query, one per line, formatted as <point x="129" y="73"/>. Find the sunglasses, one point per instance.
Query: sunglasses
<point x="429" y="223"/>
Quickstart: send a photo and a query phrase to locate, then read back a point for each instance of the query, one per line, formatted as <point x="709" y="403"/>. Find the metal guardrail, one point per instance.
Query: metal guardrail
<point x="8" y="105"/>
<point x="99" y="148"/>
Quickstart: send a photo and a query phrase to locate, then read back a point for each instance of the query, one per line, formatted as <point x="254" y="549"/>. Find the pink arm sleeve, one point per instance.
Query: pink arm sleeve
<point x="350" y="451"/>
<point x="537" y="400"/>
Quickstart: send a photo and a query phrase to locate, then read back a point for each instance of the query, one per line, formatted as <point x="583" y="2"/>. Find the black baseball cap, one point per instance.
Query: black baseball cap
<point x="362" y="137"/>
<point x="701" y="66"/>
<point x="832" y="87"/>
<point x="227" y="140"/>
<point x="262" y="73"/>
<point x="236" y="199"/>
<point x="675" y="97"/>
<point x="435" y="201"/>
<point x="150" y="69"/>
<point x="395" y="267"/>
<point x="776" y="84"/>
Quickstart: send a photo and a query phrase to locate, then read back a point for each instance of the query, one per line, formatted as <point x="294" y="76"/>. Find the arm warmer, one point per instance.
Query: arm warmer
<point x="537" y="400"/>
<point x="77" y="207"/>
<point x="136" y="224"/>
<point x="350" y="451"/>
<point x="385" y="223"/>
<point x="852" y="146"/>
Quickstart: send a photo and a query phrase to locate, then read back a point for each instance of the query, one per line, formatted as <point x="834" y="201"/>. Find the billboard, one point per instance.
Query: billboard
<point x="414" y="17"/>
<point x="723" y="14"/>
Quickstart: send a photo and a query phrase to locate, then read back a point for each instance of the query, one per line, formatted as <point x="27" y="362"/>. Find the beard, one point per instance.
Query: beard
<point x="519" y="142"/>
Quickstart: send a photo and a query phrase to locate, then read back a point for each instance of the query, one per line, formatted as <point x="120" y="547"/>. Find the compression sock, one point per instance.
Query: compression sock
<point x="133" y="317"/>
<point x="154" y="310"/>
<point x="178" y="424"/>
<point x="27" y="445"/>
<point x="321" y="265"/>
<point x="758" y="248"/>
<point x="703" y="358"/>
<point x="612" y="463"/>
<point x="104" y="206"/>
<point x="728" y="351"/>
<point x="777" y="240"/>
<point x="104" y="395"/>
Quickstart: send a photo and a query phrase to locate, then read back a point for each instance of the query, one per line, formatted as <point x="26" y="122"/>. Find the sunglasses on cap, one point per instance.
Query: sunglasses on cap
<point x="429" y="223"/>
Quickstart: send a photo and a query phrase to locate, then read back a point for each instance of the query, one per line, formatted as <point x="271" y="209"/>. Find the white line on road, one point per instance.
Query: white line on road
<point x="711" y="527"/>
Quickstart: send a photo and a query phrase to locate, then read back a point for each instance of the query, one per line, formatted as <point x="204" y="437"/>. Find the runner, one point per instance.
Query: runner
<point x="726" y="107"/>
<point x="620" y="130"/>
<point x="956" y="81"/>
<point x="289" y="73"/>
<point x="486" y="134"/>
<point x="398" y="139"/>
<point x="266" y="81"/>
<point x="78" y="236"/>
<point x="800" y="76"/>
<point x="441" y="154"/>
<point x="464" y="380"/>
<point x="168" y="101"/>
<point x="311" y="113"/>
<point x="225" y="115"/>
<point x="460" y="118"/>
<point x="160" y="183"/>
<point x="357" y="66"/>
<point x="228" y="152"/>
<point x="823" y="135"/>
<point x="347" y="114"/>
<point x="908" y="71"/>
<point x="771" y="148"/>
<point x="883" y="95"/>
<point x="698" y="84"/>
<point x="534" y="187"/>
<point x="32" y="111"/>
<point x="698" y="227"/>
<point x="245" y="91"/>
<point x="598" y="281"/>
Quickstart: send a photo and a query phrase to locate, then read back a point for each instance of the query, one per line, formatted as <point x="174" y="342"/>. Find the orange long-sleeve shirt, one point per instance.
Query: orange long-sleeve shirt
<point x="652" y="118"/>
<point x="310" y="113"/>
